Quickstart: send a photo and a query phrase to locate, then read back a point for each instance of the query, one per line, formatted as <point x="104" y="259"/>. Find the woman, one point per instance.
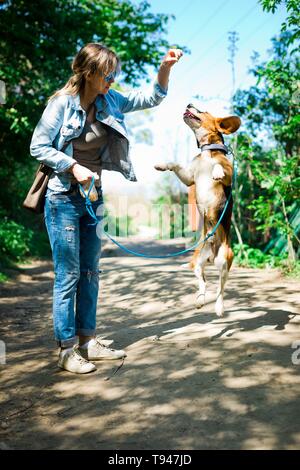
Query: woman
<point x="81" y="132"/>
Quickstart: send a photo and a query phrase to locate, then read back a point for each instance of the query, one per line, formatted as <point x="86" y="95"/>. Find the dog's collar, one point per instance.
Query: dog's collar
<point x="221" y="147"/>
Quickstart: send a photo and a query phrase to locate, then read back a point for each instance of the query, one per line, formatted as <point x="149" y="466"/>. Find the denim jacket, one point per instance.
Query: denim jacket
<point x="64" y="119"/>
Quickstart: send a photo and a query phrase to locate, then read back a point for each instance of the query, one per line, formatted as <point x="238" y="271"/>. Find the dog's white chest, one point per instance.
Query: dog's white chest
<point x="204" y="182"/>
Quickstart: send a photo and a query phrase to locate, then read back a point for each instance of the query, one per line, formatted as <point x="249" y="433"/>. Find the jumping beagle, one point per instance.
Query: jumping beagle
<point x="211" y="172"/>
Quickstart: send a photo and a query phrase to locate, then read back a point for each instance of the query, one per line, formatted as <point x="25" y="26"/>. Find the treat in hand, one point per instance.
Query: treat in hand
<point x="93" y="195"/>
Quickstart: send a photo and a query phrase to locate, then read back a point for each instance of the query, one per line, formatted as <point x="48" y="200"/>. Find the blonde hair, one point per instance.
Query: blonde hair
<point x="91" y="58"/>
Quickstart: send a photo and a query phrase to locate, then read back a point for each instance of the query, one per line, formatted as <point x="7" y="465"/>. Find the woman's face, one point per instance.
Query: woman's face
<point x="100" y="84"/>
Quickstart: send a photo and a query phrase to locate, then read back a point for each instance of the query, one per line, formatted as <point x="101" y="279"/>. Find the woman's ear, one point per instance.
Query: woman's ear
<point x="228" y="125"/>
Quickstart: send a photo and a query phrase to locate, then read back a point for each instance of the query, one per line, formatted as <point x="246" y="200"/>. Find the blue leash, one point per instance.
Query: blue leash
<point x="169" y="255"/>
<point x="88" y="202"/>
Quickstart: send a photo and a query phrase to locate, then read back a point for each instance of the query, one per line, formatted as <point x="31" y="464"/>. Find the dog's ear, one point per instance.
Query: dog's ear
<point x="228" y="125"/>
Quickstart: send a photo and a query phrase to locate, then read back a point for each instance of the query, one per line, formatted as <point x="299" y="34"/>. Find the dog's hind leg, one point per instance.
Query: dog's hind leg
<point x="199" y="265"/>
<point x="222" y="262"/>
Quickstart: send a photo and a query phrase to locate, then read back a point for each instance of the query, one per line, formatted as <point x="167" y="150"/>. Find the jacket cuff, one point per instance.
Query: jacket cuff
<point x="65" y="164"/>
<point x="161" y="92"/>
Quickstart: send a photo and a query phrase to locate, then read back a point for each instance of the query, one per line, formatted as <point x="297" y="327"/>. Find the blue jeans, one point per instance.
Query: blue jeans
<point x="76" y="251"/>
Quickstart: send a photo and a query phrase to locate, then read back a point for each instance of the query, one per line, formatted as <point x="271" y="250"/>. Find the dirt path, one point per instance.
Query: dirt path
<point x="190" y="380"/>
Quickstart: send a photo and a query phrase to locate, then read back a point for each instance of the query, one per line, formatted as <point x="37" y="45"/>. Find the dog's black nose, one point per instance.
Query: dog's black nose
<point x="190" y="105"/>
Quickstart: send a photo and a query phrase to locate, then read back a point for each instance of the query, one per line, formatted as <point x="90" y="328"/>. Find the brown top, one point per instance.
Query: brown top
<point x="87" y="148"/>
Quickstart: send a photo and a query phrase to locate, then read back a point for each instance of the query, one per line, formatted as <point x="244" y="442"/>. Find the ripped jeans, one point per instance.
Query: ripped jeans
<point x="76" y="251"/>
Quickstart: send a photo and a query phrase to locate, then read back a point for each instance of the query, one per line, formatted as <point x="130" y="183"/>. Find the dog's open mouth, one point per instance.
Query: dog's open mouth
<point x="190" y="115"/>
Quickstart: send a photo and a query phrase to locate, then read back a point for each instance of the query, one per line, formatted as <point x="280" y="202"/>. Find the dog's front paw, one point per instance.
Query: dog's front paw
<point x="161" y="167"/>
<point x="218" y="172"/>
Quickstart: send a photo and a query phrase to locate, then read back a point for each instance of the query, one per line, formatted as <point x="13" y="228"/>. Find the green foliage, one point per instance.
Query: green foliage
<point x="281" y="182"/>
<point x="254" y="257"/>
<point x="272" y="105"/>
<point x="250" y="257"/>
<point x="3" y="277"/>
<point x="291" y="271"/>
<point x="14" y="239"/>
<point x="293" y="19"/>
<point x="269" y="150"/>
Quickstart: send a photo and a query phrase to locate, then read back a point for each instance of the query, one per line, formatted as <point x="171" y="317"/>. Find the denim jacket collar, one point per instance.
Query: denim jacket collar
<point x="100" y="102"/>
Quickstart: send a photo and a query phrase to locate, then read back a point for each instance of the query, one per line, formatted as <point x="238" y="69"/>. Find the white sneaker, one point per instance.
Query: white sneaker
<point x="105" y="342"/>
<point x="74" y="362"/>
<point x="98" y="350"/>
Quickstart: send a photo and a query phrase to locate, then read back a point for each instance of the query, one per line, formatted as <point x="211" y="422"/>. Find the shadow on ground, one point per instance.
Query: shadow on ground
<point x="190" y="380"/>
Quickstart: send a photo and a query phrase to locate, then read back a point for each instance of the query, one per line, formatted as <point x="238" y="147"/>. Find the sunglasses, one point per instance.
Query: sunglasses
<point x="111" y="76"/>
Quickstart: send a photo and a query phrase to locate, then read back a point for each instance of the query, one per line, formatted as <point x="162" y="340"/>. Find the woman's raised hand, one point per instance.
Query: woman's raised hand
<point x="171" y="57"/>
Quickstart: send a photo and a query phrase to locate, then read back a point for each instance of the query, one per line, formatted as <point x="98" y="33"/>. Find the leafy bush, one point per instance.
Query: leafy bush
<point x="3" y="277"/>
<point x="255" y="258"/>
<point x="14" y="239"/>
<point x="293" y="271"/>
